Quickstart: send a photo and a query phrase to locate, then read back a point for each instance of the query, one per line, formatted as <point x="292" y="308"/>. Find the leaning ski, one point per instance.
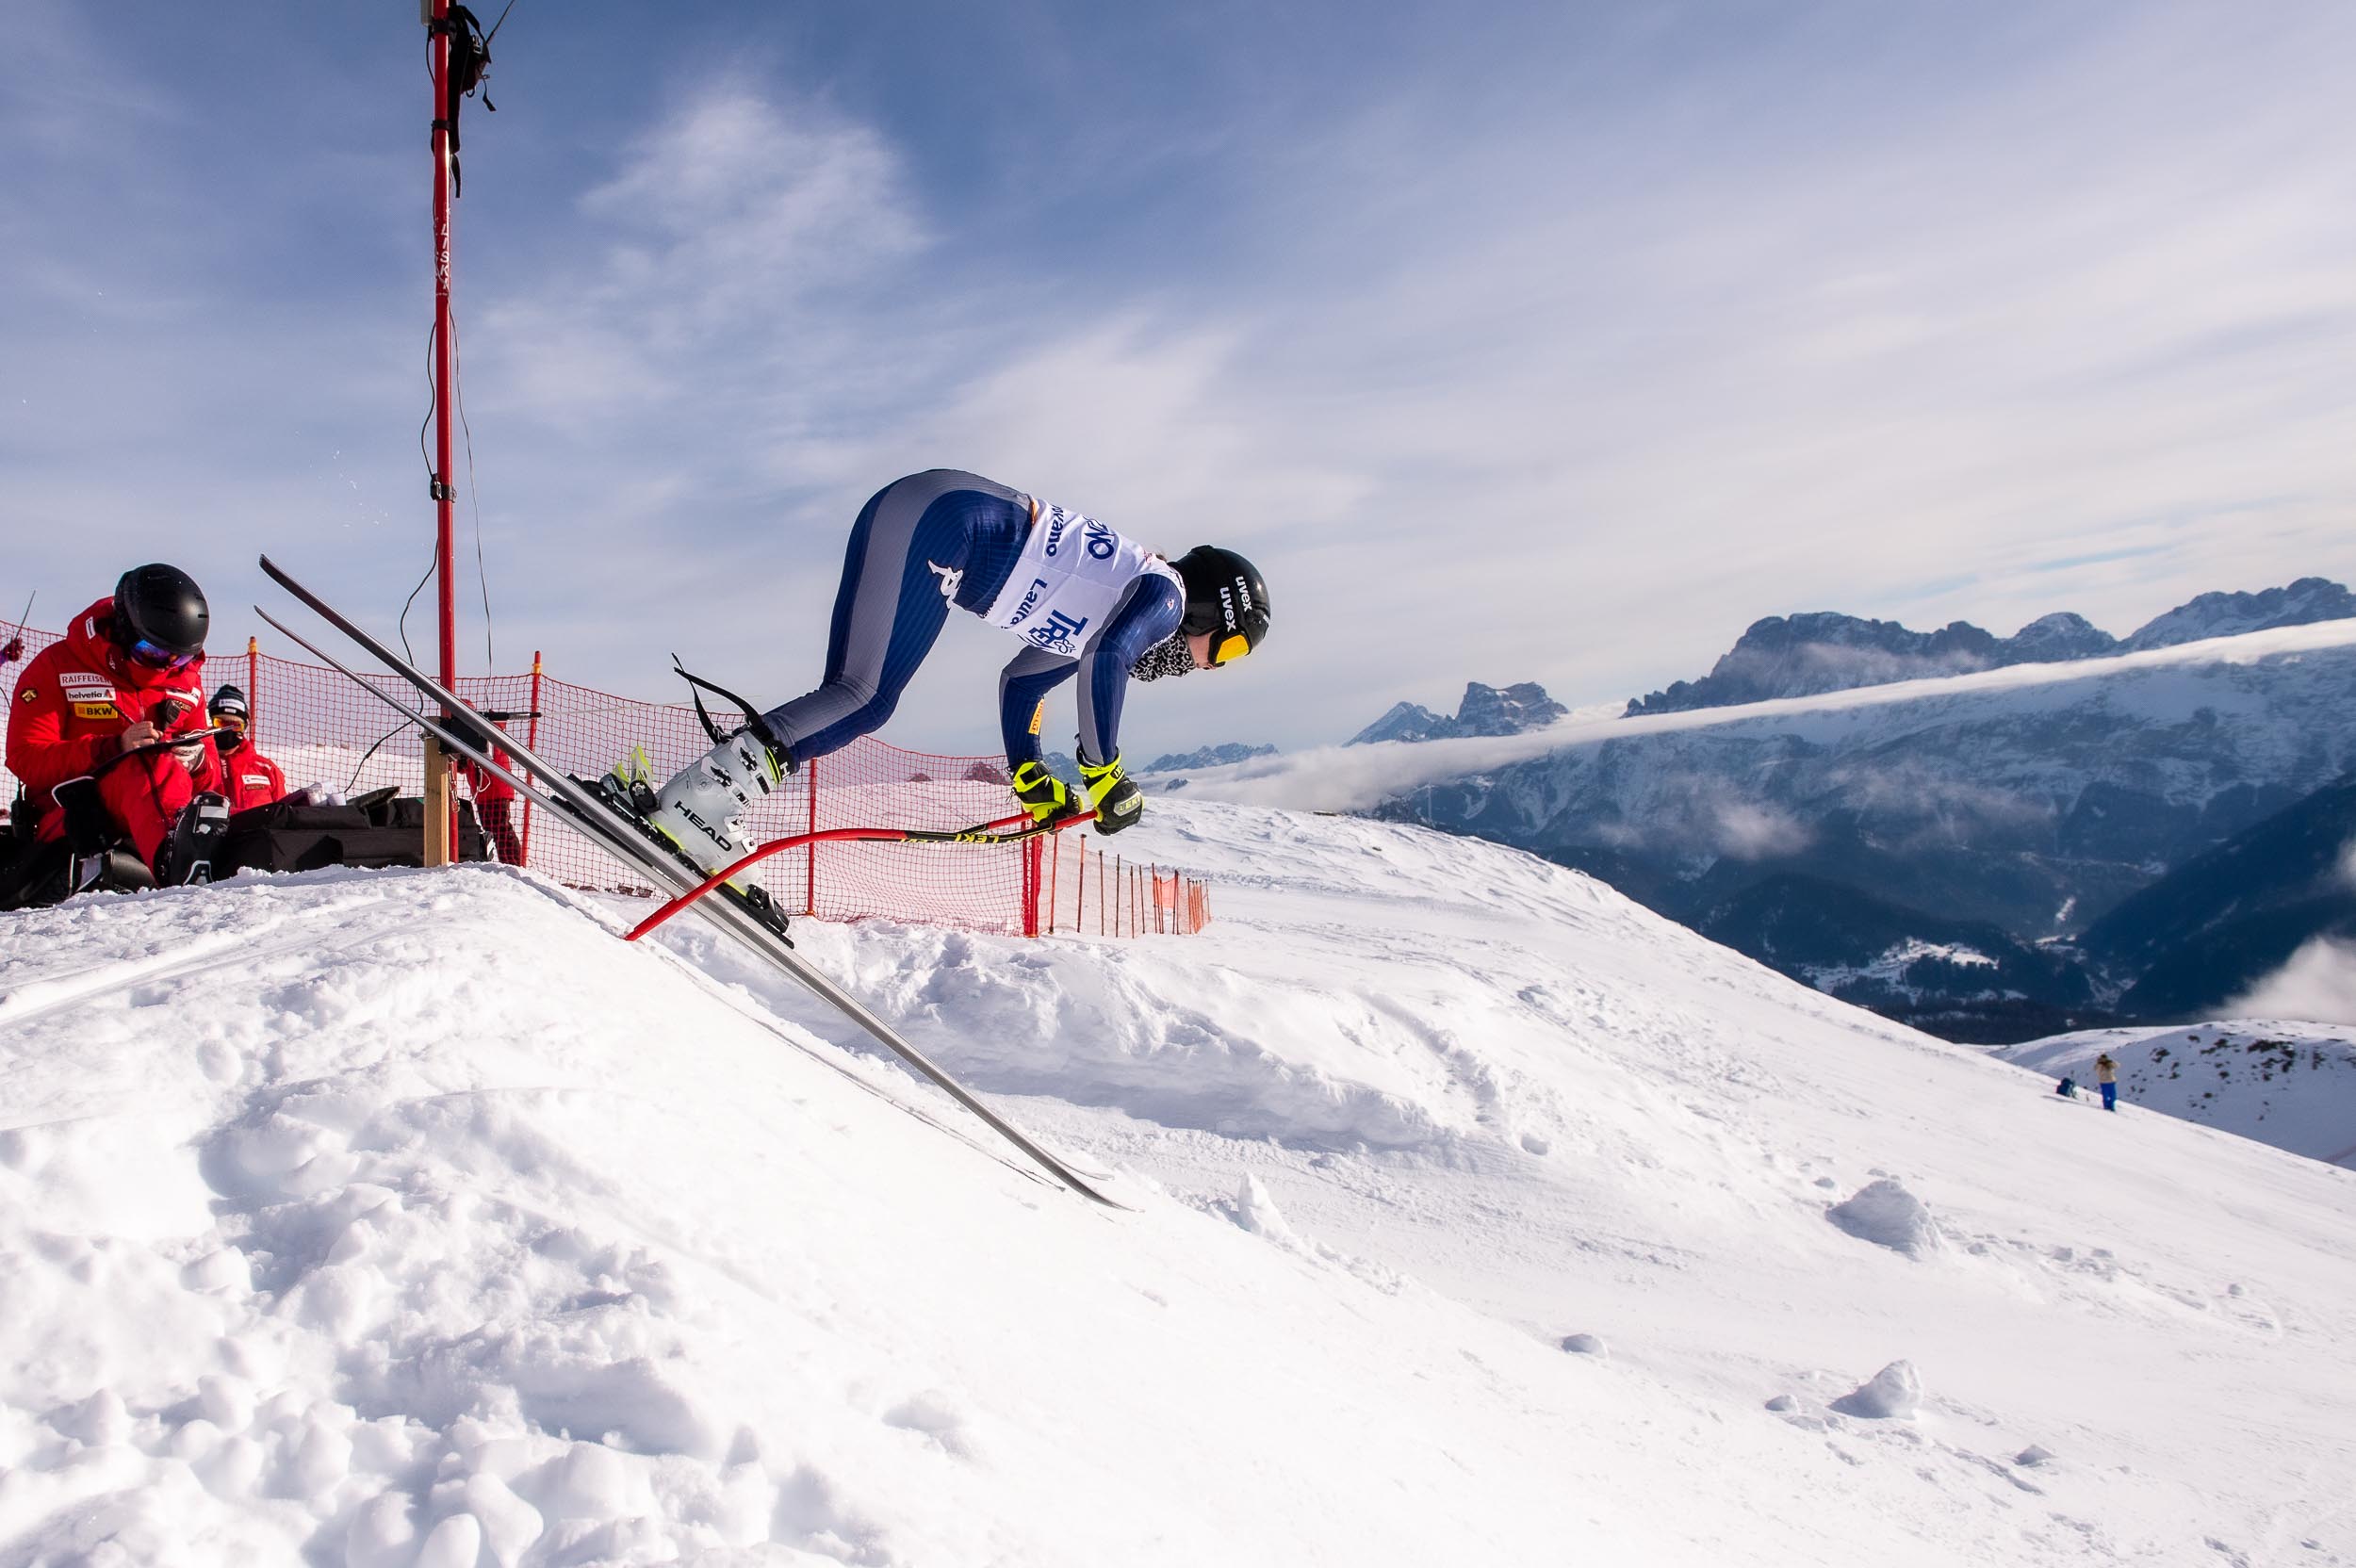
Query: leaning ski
<point x="618" y="836"/>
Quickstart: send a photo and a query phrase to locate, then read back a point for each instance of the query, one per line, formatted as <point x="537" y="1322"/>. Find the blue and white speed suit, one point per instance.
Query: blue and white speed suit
<point x="1080" y="595"/>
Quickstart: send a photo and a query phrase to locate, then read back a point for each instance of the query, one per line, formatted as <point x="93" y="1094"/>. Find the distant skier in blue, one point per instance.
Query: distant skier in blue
<point x="2107" y="1078"/>
<point x="1081" y="596"/>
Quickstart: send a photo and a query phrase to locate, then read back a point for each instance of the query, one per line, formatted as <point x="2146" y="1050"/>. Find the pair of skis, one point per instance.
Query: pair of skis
<point x="626" y="841"/>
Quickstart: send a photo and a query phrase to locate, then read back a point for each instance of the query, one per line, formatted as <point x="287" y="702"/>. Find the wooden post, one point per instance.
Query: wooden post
<point x="439" y="804"/>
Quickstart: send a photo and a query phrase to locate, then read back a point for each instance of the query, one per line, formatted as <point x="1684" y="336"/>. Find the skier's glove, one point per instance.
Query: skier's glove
<point x="1106" y="791"/>
<point x="1041" y="793"/>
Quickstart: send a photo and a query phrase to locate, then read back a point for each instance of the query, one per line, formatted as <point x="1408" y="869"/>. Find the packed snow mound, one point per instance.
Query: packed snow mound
<point x="1886" y="1215"/>
<point x="1892" y="1394"/>
<point x="393" y="1219"/>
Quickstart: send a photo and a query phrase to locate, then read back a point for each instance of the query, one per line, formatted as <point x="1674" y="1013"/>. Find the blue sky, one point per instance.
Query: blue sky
<point x="1538" y="342"/>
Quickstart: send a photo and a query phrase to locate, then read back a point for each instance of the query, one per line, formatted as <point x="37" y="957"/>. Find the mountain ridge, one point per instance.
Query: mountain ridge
<point x="1819" y="651"/>
<point x="1483" y="710"/>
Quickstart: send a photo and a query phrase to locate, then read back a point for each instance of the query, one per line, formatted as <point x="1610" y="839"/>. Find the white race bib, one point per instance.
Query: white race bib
<point x="1070" y="576"/>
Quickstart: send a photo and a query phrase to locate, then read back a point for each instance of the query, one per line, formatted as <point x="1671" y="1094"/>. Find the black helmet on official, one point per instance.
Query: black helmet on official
<point x="1226" y="597"/>
<point x="161" y="616"/>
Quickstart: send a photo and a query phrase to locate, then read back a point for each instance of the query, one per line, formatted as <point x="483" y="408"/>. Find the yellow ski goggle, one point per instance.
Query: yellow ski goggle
<point x="1229" y="647"/>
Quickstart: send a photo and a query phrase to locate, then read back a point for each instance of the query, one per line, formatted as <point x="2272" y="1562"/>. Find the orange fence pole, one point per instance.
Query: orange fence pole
<point x="253" y="687"/>
<point x="532" y="739"/>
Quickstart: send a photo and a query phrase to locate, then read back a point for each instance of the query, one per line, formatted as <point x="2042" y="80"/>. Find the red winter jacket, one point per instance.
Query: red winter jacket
<point x="489" y="787"/>
<point x="251" y="778"/>
<point x="79" y="694"/>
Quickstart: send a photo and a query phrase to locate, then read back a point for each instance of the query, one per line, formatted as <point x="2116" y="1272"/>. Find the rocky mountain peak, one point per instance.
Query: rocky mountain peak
<point x="1485" y="711"/>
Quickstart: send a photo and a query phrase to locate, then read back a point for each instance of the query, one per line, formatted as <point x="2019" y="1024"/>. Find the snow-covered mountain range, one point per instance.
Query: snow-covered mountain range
<point x="1483" y="710"/>
<point x="2033" y="800"/>
<point x="1481" y="1216"/>
<point x="1207" y="757"/>
<point x="1789" y="656"/>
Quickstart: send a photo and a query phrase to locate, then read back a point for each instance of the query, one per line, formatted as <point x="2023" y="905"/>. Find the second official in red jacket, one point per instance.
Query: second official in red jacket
<point x="251" y="778"/>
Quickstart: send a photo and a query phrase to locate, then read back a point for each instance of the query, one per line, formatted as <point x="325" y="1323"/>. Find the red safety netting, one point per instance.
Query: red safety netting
<point x="323" y="729"/>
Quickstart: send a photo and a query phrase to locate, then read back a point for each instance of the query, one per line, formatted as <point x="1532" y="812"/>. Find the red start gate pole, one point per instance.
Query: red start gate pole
<point x="440" y="808"/>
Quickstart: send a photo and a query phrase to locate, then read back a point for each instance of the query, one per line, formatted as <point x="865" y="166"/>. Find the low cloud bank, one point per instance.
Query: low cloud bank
<point x="2319" y="984"/>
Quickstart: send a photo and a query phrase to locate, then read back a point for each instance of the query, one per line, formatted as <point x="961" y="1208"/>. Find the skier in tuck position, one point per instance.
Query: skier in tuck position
<point x="1081" y="596"/>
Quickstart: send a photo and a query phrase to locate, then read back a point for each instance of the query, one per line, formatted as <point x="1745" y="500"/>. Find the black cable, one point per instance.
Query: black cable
<point x="372" y="751"/>
<point x="404" y="609"/>
<point x="474" y="495"/>
<point x="432" y="401"/>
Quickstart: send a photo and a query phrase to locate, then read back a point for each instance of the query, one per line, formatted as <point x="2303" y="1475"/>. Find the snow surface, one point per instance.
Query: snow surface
<point x="400" y="1217"/>
<point x="2290" y="1085"/>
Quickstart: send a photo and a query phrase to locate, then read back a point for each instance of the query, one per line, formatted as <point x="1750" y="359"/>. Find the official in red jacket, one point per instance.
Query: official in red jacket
<point x="250" y="778"/>
<point x="130" y="671"/>
<point x="494" y="803"/>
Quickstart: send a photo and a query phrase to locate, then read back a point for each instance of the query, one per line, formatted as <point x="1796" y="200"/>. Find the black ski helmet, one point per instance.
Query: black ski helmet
<point x="1226" y="597"/>
<point x="161" y="608"/>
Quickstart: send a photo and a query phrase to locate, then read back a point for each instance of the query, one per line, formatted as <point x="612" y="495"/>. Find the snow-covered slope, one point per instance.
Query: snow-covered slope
<point x="2287" y="1084"/>
<point x="408" y="1217"/>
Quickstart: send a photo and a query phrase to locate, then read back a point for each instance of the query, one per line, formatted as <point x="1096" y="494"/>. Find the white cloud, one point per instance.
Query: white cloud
<point x="2318" y="986"/>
